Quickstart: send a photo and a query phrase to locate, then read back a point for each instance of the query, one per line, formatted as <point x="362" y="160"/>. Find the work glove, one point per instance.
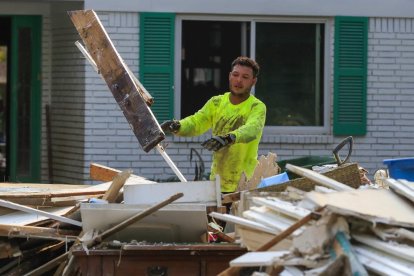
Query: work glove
<point x="171" y="126"/>
<point x="216" y="143"/>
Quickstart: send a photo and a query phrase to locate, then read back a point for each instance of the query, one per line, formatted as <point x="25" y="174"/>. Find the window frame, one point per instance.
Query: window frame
<point x="327" y="78"/>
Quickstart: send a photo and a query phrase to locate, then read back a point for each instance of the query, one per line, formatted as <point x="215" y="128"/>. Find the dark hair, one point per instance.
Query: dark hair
<point x="246" y="61"/>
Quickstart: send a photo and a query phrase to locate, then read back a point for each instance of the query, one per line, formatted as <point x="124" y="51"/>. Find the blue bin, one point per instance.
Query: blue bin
<point x="274" y="180"/>
<point x="402" y="168"/>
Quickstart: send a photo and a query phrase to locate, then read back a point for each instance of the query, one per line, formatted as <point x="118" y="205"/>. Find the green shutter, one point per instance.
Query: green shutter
<point x="157" y="61"/>
<point x="350" y="75"/>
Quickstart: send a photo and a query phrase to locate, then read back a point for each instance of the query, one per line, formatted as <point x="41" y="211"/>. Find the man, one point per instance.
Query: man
<point x="236" y="118"/>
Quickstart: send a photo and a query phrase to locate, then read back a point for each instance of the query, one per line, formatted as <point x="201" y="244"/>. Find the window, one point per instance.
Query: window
<point x="208" y="48"/>
<point x="291" y="56"/>
<point x="291" y="80"/>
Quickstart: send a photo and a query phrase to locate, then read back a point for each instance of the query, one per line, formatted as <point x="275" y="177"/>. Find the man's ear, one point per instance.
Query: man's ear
<point x="254" y="80"/>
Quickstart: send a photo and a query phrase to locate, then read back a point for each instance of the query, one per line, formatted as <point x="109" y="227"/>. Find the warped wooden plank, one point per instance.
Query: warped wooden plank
<point x="19" y="207"/>
<point x="118" y="78"/>
<point x="103" y="173"/>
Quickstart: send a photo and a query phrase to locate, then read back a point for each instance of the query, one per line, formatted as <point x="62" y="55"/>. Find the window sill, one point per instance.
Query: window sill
<point x="297" y="139"/>
<point x="266" y="139"/>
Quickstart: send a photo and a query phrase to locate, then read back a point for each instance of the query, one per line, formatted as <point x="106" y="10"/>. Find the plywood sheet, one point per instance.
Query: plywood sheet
<point x="172" y="223"/>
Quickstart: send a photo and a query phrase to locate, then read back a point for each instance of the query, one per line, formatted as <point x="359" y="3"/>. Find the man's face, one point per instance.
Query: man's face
<point x="241" y="80"/>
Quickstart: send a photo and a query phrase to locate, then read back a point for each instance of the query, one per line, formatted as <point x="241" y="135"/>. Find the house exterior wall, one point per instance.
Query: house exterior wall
<point x="67" y="99"/>
<point x="390" y="102"/>
<point x="88" y="126"/>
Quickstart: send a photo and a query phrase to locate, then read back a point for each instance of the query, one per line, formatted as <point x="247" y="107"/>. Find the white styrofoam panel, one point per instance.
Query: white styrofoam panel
<point x="172" y="223"/>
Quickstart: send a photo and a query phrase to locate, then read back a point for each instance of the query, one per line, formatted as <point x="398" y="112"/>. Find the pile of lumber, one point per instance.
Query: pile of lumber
<point x="39" y="223"/>
<point x="332" y="230"/>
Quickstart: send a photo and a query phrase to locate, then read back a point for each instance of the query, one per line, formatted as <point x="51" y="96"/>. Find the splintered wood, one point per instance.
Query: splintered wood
<point x="267" y="167"/>
<point x="117" y="76"/>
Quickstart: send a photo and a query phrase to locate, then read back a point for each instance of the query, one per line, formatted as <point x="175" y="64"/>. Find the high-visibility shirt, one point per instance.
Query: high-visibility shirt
<point x="245" y="120"/>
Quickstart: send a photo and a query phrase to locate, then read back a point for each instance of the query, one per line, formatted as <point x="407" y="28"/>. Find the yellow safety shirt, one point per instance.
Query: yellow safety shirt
<point x="245" y="120"/>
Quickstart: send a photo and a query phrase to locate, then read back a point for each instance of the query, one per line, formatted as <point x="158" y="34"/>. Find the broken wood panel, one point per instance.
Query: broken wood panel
<point x="118" y="78"/>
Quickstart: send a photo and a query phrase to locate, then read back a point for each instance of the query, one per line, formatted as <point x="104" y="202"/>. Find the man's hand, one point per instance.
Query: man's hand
<point x="218" y="142"/>
<point x="171" y="126"/>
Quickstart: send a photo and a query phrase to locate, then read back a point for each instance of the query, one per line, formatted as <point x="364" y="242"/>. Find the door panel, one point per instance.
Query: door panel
<point x="25" y="100"/>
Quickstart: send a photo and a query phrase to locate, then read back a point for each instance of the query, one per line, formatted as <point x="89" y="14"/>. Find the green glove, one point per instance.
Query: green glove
<point x="216" y="143"/>
<point x="171" y="126"/>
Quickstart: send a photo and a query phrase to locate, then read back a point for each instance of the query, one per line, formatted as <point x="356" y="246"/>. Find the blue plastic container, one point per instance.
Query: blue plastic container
<point x="274" y="180"/>
<point x="402" y="168"/>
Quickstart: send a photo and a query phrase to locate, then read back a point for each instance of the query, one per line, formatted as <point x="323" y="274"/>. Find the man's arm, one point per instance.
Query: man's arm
<point x="254" y="125"/>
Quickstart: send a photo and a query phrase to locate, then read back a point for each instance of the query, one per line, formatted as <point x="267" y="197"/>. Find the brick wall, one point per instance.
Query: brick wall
<point x="67" y="100"/>
<point x="109" y="141"/>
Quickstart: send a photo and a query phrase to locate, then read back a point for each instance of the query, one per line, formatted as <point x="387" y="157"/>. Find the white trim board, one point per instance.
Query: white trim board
<point x="205" y="192"/>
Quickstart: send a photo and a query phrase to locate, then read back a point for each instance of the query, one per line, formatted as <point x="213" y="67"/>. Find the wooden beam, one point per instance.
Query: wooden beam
<point x="36" y="232"/>
<point x="118" y="78"/>
<point x="117" y="184"/>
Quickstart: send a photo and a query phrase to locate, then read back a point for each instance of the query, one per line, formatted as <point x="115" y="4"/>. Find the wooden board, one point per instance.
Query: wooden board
<point x="118" y="78"/>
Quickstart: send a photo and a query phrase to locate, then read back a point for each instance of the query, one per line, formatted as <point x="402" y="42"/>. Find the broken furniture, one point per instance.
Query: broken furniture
<point x="157" y="259"/>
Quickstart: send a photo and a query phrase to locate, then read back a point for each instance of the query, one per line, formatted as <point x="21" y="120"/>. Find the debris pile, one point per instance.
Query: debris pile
<point x="332" y="229"/>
